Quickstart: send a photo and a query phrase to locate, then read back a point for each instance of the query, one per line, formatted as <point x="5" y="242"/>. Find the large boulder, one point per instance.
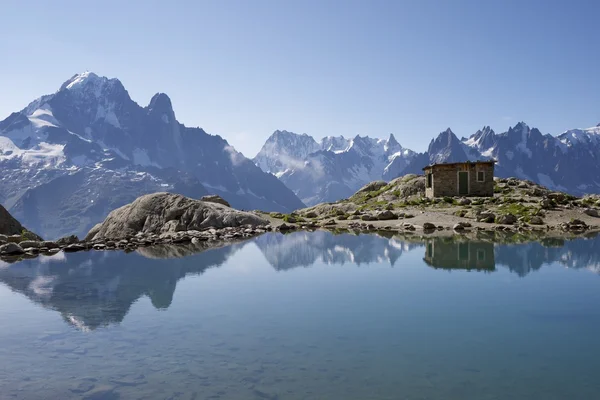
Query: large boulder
<point x="167" y="212"/>
<point x="10" y="226"/>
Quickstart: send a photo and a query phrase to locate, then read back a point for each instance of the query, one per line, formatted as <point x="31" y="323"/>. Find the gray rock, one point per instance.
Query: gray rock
<point x="428" y="226"/>
<point x="11" y="249"/>
<point x="14" y="239"/>
<point x="213" y="198"/>
<point x="74" y="247"/>
<point x="386" y="215"/>
<point x="3" y="238"/>
<point x="167" y="212"/>
<point x="67" y="240"/>
<point x="30" y="243"/>
<point x="367" y="217"/>
<point x="486" y="217"/>
<point x="507" y="219"/>
<point x="311" y="214"/>
<point x="536" y="220"/>
<point x="49" y="245"/>
<point x="591" y="212"/>
<point x="458" y="227"/>
<point x="464" y="201"/>
<point x="286" y="227"/>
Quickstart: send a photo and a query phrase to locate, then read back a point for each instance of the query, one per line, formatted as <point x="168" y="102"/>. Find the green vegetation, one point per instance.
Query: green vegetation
<point x="519" y="210"/>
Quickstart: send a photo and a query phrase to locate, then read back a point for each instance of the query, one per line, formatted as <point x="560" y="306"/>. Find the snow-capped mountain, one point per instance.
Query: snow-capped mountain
<point x="332" y="169"/>
<point x="68" y="158"/>
<point x="285" y="150"/>
<point x="569" y="162"/>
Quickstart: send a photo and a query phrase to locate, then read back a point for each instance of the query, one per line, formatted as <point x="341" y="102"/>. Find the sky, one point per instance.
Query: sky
<point x="243" y="69"/>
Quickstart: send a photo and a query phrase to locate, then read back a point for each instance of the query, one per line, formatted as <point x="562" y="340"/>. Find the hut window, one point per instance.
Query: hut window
<point x="429" y="180"/>
<point x="480" y="176"/>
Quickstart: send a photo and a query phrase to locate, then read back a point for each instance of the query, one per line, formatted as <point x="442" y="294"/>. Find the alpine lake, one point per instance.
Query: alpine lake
<point x="307" y="315"/>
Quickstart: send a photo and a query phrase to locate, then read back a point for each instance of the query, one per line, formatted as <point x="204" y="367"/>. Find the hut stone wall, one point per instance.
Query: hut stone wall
<point x="444" y="179"/>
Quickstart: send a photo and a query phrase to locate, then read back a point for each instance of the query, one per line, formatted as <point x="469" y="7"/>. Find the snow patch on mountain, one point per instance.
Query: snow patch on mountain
<point x="585" y="136"/>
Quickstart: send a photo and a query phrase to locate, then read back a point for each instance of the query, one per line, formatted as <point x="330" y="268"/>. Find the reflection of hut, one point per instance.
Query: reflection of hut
<point x="453" y="254"/>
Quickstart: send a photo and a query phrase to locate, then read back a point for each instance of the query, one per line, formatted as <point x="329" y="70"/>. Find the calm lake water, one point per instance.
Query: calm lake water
<point x="306" y="316"/>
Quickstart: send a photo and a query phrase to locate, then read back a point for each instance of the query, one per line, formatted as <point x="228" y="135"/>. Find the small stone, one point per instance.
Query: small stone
<point x="458" y="227"/>
<point x="507" y="219"/>
<point x="536" y="220"/>
<point x="73" y="248"/>
<point x="428" y="226"/>
<point x="386" y="215"/>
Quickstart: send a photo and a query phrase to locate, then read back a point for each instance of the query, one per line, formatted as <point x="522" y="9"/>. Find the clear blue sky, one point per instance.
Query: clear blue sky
<point x="243" y="69"/>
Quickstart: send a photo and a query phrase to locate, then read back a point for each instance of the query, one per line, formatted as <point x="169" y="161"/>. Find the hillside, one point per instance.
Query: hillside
<point x="400" y="205"/>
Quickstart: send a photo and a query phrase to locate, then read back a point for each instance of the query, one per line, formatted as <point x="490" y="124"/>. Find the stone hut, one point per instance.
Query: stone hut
<point x="470" y="178"/>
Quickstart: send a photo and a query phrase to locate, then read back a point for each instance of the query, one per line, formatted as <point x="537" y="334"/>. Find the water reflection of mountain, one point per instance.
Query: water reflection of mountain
<point x="94" y="289"/>
<point x="582" y="253"/>
<point x="303" y="249"/>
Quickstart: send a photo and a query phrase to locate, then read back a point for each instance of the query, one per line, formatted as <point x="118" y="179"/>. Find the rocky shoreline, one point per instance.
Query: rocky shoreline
<point x="13" y="249"/>
<point x="520" y="208"/>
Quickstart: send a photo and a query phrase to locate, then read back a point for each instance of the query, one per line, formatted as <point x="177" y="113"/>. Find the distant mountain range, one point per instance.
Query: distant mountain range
<point x="70" y="157"/>
<point x="336" y="167"/>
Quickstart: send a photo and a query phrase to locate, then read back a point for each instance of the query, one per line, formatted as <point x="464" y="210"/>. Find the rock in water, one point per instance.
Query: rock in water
<point x="167" y="212"/>
<point x="213" y="198"/>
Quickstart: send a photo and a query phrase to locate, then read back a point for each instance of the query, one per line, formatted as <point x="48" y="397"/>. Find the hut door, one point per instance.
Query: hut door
<point x="463" y="183"/>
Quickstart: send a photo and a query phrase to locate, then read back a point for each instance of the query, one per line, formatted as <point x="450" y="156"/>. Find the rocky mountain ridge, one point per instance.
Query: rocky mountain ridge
<point x="332" y="169"/>
<point x="329" y="174"/>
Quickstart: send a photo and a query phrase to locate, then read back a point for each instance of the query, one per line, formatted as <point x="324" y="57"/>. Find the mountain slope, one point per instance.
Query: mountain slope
<point x="93" y="138"/>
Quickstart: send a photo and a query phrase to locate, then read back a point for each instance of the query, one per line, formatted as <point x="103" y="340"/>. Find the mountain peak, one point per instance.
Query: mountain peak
<point x="521" y="126"/>
<point x="84" y="79"/>
<point x="88" y="83"/>
<point x="160" y="102"/>
<point x="79" y="80"/>
<point x="392" y="140"/>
